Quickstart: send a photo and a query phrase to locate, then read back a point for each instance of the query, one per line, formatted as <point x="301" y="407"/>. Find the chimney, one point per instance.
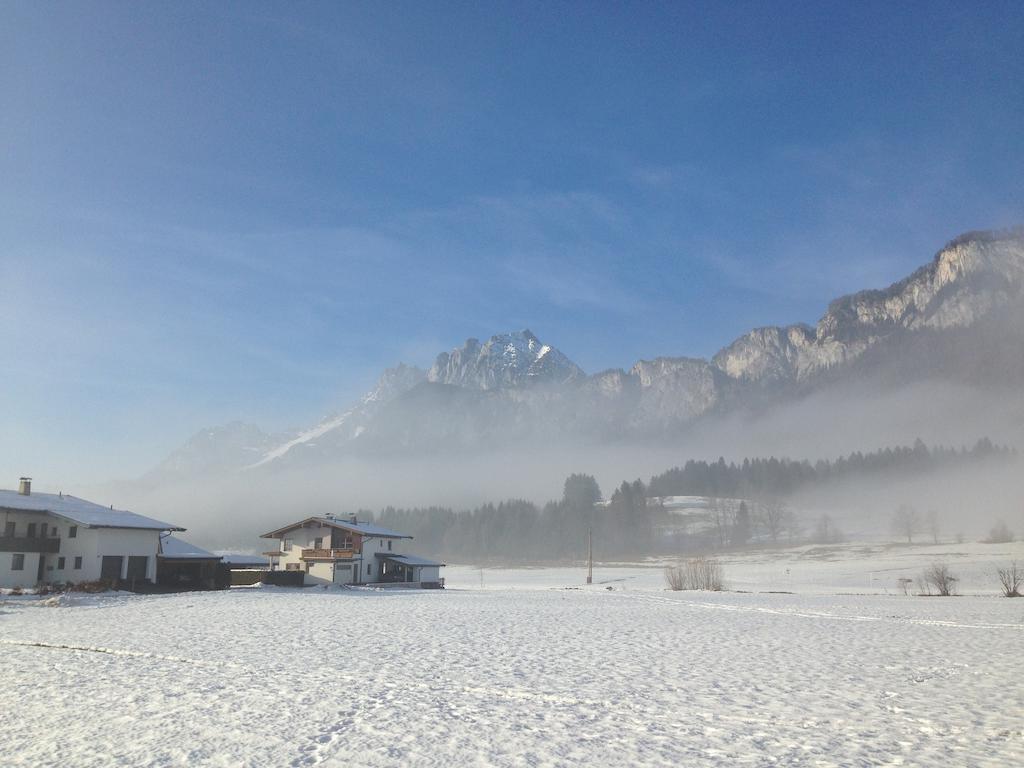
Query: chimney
<point x="354" y="520"/>
<point x="25" y="486"/>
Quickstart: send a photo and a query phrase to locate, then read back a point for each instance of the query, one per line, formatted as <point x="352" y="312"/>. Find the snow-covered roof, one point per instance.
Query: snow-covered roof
<point x="408" y="559"/>
<point x="364" y="528"/>
<point x="80" y="511"/>
<point x="178" y="549"/>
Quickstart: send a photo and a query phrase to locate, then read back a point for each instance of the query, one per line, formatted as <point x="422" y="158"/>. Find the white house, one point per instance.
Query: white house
<point x="56" y="538"/>
<point x="334" y="550"/>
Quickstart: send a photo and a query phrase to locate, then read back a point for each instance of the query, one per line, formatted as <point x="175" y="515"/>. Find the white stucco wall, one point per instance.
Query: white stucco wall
<point x="91" y="544"/>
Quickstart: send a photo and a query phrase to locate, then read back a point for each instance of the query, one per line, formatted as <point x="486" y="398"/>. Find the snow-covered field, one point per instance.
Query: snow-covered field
<point x="530" y="670"/>
<point x="851" y="568"/>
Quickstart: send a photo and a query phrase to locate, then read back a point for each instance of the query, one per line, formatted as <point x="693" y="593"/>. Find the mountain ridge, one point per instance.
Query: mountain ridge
<point x="526" y="388"/>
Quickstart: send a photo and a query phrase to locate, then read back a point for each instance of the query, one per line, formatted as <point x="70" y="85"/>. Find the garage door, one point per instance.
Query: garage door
<point x="110" y="568"/>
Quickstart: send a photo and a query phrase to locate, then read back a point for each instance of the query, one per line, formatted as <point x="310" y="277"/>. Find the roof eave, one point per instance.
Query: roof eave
<point x="129" y="527"/>
<point x="331" y="524"/>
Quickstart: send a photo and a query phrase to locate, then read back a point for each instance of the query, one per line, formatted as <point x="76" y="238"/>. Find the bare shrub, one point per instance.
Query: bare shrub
<point x="1012" y="579"/>
<point x="904" y="584"/>
<point x="1000" y="534"/>
<point x="699" y="573"/>
<point x="938" y="577"/>
<point x="705" y="573"/>
<point x="675" y="577"/>
<point x="89" y="586"/>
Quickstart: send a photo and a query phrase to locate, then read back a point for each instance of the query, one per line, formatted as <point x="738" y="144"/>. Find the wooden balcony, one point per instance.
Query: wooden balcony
<point x="26" y="544"/>
<point x="328" y="554"/>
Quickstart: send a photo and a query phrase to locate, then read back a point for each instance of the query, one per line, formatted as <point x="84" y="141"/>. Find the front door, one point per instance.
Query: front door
<point x="110" y="567"/>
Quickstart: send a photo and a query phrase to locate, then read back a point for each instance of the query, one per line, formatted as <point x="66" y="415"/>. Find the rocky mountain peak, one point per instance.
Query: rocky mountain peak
<point x="504" y="360"/>
<point x="974" y="280"/>
<point x="965" y="280"/>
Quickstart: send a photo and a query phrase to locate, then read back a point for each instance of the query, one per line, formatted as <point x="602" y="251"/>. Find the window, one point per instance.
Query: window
<point x="31" y="530"/>
<point x="78" y="563"/>
<point x="42" y="531"/>
<point x="389" y="545"/>
<point x="60" y="563"/>
<point x="318" y="542"/>
<point x="369" y="568"/>
<point x="286" y="544"/>
<point x="54" y="532"/>
<point x="292" y="567"/>
<point x="9" y="529"/>
<point x="73" y="532"/>
<point x="17" y="562"/>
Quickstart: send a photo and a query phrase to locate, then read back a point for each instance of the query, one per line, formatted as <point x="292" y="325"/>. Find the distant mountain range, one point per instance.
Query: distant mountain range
<point x="961" y="316"/>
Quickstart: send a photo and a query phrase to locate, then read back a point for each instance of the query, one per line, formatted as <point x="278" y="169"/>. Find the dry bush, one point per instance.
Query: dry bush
<point x="938" y="577"/>
<point x="700" y="573"/>
<point x="1012" y="579"/>
<point x="89" y="586"/>
<point x="675" y="577"/>
<point x="705" y="573"/>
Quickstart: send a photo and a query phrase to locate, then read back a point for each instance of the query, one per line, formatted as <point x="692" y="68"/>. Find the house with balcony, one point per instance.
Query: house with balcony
<point x="57" y="538"/>
<point x="336" y="550"/>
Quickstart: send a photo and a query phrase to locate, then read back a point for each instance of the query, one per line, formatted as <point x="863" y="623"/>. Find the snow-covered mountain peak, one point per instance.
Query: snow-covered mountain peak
<point x="919" y="326"/>
<point x="504" y="360"/>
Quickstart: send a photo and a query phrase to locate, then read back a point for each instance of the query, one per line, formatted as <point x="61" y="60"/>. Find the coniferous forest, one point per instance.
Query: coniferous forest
<point x="745" y="501"/>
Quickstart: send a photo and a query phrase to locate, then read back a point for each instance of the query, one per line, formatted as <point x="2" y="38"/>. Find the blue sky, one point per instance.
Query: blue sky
<point x="213" y="212"/>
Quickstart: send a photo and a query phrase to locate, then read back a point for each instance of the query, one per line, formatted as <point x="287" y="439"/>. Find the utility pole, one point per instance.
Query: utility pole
<point x="590" y="555"/>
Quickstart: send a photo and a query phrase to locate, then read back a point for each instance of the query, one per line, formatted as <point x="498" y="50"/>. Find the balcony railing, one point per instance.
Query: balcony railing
<point x="26" y="544"/>
<point x="328" y="554"/>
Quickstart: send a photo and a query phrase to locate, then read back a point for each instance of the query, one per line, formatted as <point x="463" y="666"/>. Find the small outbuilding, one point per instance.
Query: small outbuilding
<point x="184" y="566"/>
<point x="399" y="569"/>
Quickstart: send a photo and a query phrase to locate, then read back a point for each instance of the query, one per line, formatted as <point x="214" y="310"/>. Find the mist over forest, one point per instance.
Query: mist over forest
<point x="905" y="396"/>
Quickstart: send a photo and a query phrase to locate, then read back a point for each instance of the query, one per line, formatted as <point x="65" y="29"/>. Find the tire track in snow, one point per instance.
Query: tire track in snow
<point x="119" y="652"/>
<point x="803" y="614"/>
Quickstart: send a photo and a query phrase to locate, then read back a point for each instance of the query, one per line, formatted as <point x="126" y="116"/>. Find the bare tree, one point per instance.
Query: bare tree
<point x="1000" y="534"/>
<point x="933" y="525"/>
<point x="826" y="531"/>
<point x="776" y="517"/>
<point x="905" y="522"/>
<point x="939" y="576"/>
<point x="721" y="516"/>
<point x="1012" y="579"/>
